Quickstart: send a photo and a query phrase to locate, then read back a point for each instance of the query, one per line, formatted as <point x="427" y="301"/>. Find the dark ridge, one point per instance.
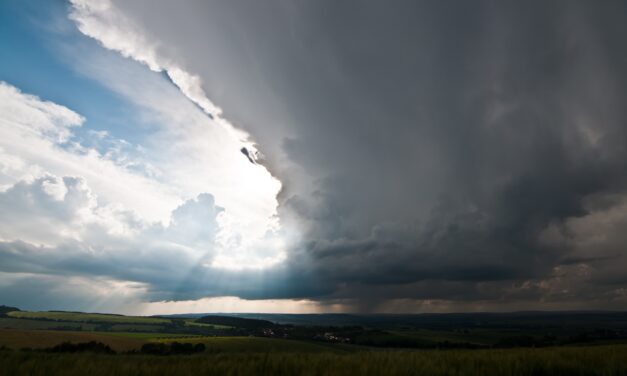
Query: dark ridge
<point x="237" y="322"/>
<point x="6" y="309"/>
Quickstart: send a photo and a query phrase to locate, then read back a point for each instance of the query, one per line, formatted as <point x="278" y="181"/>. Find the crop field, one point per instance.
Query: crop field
<point x="28" y="345"/>
<point x="125" y="341"/>
<point x="479" y="337"/>
<point x="14" y="323"/>
<point x="136" y="328"/>
<point x="88" y="317"/>
<point x="149" y="336"/>
<point x="599" y="360"/>
<point x="37" y="339"/>
<point x="191" y="322"/>
<point x="259" y="344"/>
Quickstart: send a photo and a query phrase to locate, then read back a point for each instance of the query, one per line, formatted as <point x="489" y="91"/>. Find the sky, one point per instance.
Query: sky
<point x="313" y="156"/>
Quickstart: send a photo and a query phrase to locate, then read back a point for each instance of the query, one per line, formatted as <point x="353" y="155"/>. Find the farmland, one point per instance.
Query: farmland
<point x="75" y="343"/>
<point x="86" y="317"/>
<point x="38" y="339"/>
<point x="600" y="360"/>
<point x="127" y="341"/>
<point x="382" y="331"/>
<point x="13" y="323"/>
<point x="260" y="344"/>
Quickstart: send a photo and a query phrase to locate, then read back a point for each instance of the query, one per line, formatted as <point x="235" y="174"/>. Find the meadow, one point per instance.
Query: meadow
<point x="260" y="344"/>
<point x="14" y="323"/>
<point x="40" y="339"/>
<point x="87" y="317"/>
<point x="597" y="360"/>
<point x="129" y="341"/>
<point x="469" y="344"/>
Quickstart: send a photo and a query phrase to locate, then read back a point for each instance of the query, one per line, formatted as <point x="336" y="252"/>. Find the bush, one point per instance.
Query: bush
<point x="92" y="346"/>
<point x="155" y="349"/>
<point x="175" y="348"/>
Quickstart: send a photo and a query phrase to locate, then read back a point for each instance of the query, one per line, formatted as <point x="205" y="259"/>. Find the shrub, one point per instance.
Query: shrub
<point x="175" y="348"/>
<point x="91" y="346"/>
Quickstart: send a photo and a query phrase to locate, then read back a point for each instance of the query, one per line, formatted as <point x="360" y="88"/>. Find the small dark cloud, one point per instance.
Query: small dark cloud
<point x="248" y="155"/>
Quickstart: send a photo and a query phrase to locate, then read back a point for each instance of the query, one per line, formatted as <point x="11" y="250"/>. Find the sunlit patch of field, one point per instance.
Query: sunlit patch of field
<point x="15" y="323"/>
<point x="599" y="360"/>
<point x="88" y="317"/>
<point x="154" y="337"/>
<point x="192" y="322"/>
<point x="136" y="328"/>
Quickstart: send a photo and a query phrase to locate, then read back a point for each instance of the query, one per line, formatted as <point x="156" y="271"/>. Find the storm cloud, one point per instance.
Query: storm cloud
<point x="426" y="142"/>
<point x="433" y="155"/>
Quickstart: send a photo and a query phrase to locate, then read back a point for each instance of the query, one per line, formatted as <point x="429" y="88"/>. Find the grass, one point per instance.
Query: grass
<point x="192" y="322"/>
<point x="88" y="317"/>
<point x="136" y="328"/>
<point x="125" y="341"/>
<point x="477" y="336"/>
<point x="37" y="339"/>
<point x="15" y="323"/>
<point x="147" y="336"/>
<point x="600" y="360"/>
<point x="260" y="344"/>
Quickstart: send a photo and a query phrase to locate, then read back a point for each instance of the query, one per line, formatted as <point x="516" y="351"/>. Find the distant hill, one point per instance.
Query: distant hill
<point x="520" y="320"/>
<point x="5" y="309"/>
<point x="237" y="322"/>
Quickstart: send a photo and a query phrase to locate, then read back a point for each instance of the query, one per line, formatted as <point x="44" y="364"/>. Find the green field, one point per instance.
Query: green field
<point x="39" y="339"/>
<point x="136" y="328"/>
<point x="192" y="322"/>
<point x="88" y="317"/>
<point x="14" y="323"/>
<point x="28" y="340"/>
<point x="260" y="344"/>
<point x="125" y="341"/>
<point x="478" y="337"/>
<point x="119" y="341"/>
<point x="150" y="336"/>
<point x="600" y="360"/>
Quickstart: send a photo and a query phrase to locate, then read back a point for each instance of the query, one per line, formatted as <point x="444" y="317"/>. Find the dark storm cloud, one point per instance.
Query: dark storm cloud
<point x="461" y="151"/>
<point x="421" y="140"/>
